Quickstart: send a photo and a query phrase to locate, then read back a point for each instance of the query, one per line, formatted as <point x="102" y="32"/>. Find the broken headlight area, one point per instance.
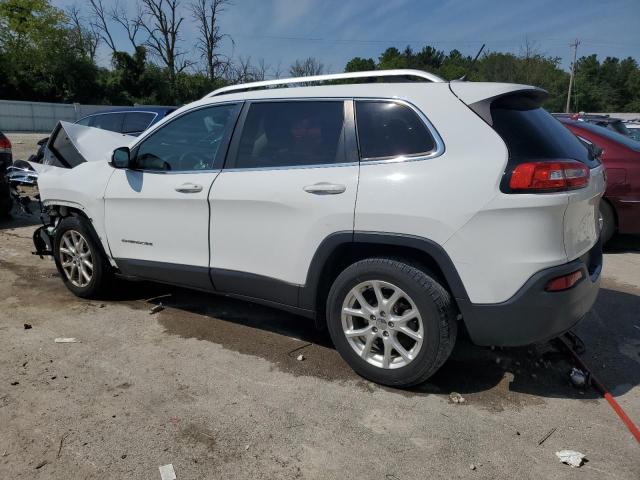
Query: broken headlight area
<point x="44" y="235"/>
<point x="23" y="183"/>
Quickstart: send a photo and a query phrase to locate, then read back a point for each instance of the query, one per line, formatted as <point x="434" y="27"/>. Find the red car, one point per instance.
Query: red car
<point x="620" y="208"/>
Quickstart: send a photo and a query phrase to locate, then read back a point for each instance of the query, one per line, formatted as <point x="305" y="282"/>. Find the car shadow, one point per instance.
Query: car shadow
<point x="623" y="244"/>
<point x="18" y="219"/>
<point x="496" y="377"/>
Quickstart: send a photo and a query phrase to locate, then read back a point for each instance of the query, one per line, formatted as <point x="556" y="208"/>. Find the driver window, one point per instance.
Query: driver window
<point x="188" y="143"/>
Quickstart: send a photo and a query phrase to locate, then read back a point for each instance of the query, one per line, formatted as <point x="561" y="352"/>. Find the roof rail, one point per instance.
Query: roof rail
<point x="323" y="78"/>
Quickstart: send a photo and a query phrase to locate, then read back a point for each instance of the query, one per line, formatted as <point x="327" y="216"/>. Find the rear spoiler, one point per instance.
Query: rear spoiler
<point x="478" y="96"/>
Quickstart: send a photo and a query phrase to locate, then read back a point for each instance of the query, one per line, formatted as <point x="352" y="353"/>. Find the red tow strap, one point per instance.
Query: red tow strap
<point x="607" y="396"/>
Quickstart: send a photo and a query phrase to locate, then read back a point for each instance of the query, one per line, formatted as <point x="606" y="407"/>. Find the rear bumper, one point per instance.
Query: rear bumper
<point x="532" y="314"/>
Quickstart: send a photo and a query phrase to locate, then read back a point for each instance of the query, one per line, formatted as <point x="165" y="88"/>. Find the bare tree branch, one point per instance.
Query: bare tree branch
<point x="86" y="37"/>
<point x="131" y="25"/>
<point x="101" y="25"/>
<point x="306" y="68"/>
<point x="206" y="13"/>
<point x="161" y="20"/>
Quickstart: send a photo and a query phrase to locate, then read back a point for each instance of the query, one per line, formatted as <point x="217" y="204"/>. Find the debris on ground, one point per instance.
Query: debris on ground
<point x="41" y="464"/>
<point x="570" y="457"/>
<point x="246" y="447"/>
<point x="167" y="472"/>
<point x="66" y="340"/>
<point x="300" y="358"/>
<point x="156" y="309"/>
<point x="27" y="326"/>
<point x="549" y="433"/>
<point x="578" y="378"/>
<point x="15" y="383"/>
<point x="472" y="467"/>
<point x="455" y="397"/>
<point x="61" y="442"/>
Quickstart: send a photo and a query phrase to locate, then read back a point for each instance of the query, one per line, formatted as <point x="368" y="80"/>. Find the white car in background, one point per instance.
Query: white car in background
<point x="389" y="212"/>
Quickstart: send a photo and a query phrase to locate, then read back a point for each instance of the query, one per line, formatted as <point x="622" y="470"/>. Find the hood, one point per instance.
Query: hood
<point x="71" y="144"/>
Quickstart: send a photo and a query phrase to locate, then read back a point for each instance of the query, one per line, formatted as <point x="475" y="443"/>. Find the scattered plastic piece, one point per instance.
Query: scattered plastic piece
<point x="455" y="397"/>
<point x="66" y="340"/>
<point x="300" y="358"/>
<point x="570" y="457"/>
<point x="578" y="378"/>
<point x="156" y="309"/>
<point x="167" y="472"/>
<point x="27" y="326"/>
<point x="472" y="467"/>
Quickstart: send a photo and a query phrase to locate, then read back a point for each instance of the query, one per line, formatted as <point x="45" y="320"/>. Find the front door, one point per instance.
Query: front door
<point x="289" y="182"/>
<point x="157" y="214"/>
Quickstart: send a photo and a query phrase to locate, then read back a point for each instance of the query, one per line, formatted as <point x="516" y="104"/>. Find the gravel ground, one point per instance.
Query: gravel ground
<point x="212" y="386"/>
<point x="24" y="144"/>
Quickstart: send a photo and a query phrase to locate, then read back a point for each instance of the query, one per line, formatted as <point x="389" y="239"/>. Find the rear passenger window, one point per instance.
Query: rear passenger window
<point x="390" y="129"/>
<point x="136" y="122"/>
<point x="108" y="121"/>
<point x="277" y="134"/>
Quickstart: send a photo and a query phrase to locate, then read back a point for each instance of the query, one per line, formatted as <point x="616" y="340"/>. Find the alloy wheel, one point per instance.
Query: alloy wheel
<point x="76" y="258"/>
<point x="382" y="324"/>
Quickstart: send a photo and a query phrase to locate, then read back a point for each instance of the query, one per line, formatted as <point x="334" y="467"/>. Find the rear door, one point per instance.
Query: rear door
<point x="290" y="182"/>
<point x="157" y="214"/>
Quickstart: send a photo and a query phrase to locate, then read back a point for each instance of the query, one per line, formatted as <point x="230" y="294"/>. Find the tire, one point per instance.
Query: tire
<point x="6" y="202"/>
<point x="608" y="221"/>
<point x="76" y="242"/>
<point x="416" y="293"/>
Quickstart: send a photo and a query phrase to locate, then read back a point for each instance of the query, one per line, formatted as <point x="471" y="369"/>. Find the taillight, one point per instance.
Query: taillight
<point x="549" y="176"/>
<point x="564" y="282"/>
<point x="5" y="145"/>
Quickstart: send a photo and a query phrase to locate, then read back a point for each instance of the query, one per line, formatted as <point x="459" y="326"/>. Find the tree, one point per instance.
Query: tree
<point x="101" y="23"/>
<point x="306" y="68"/>
<point x="162" y="23"/>
<point x="359" y="64"/>
<point x="86" y="38"/>
<point x="207" y="13"/>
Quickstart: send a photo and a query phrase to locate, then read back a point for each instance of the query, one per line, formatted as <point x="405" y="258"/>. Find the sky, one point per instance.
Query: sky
<point x="334" y="31"/>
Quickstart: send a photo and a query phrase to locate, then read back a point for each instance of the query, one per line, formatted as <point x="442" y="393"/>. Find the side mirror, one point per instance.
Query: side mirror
<point x="121" y="158"/>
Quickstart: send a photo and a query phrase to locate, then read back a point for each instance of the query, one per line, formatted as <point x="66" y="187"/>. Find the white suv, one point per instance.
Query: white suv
<point x="392" y="213"/>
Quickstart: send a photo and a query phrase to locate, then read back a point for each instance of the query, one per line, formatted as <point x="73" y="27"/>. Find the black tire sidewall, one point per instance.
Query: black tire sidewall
<point x="428" y="357"/>
<point x="608" y="221"/>
<point x="82" y="226"/>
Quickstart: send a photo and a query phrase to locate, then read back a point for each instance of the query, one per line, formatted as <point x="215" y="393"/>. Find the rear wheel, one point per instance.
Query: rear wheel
<point x="391" y="322"/>
<point x="78" y="255"/>
<point x="608" y="221"/>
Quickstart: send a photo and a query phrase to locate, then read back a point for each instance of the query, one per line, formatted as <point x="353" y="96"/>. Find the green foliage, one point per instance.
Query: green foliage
<point x="43" y="57"/>
<point x="610" y="86"/>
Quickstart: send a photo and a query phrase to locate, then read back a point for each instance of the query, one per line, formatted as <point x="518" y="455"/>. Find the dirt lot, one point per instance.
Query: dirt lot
<point x="212" y="386"/>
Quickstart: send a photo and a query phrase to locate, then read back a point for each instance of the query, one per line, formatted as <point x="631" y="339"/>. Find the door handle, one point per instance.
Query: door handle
<point x="324" y="188"/>
<point x="189" y="188"/>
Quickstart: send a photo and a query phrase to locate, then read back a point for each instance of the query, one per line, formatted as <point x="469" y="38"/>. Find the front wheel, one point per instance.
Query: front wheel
<point x="391" y="322"/>
<point x="82" y="265"/>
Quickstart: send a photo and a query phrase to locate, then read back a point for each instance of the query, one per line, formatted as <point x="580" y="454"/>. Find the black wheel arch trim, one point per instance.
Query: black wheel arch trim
<point x="307" y="299"/>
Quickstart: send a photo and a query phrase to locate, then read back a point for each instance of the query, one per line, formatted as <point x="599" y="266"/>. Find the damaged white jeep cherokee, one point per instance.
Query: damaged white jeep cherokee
<point x="390" y="211"/>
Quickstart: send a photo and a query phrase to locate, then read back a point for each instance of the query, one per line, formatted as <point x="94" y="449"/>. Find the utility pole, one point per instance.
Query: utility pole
<point x="573" y="72"/>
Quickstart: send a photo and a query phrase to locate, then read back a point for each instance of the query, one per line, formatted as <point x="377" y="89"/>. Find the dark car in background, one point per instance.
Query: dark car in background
<point x="130" y="121"/>
<point x="620" y="207"/>
<point x="127" y="120"/>
<point x="605" y="121"/>
<point x="5" y="162"/>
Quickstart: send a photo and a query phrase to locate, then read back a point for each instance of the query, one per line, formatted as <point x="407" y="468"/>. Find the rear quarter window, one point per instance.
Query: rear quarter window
<point x="531" y="133"/>
<point x="389" y="129"/>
